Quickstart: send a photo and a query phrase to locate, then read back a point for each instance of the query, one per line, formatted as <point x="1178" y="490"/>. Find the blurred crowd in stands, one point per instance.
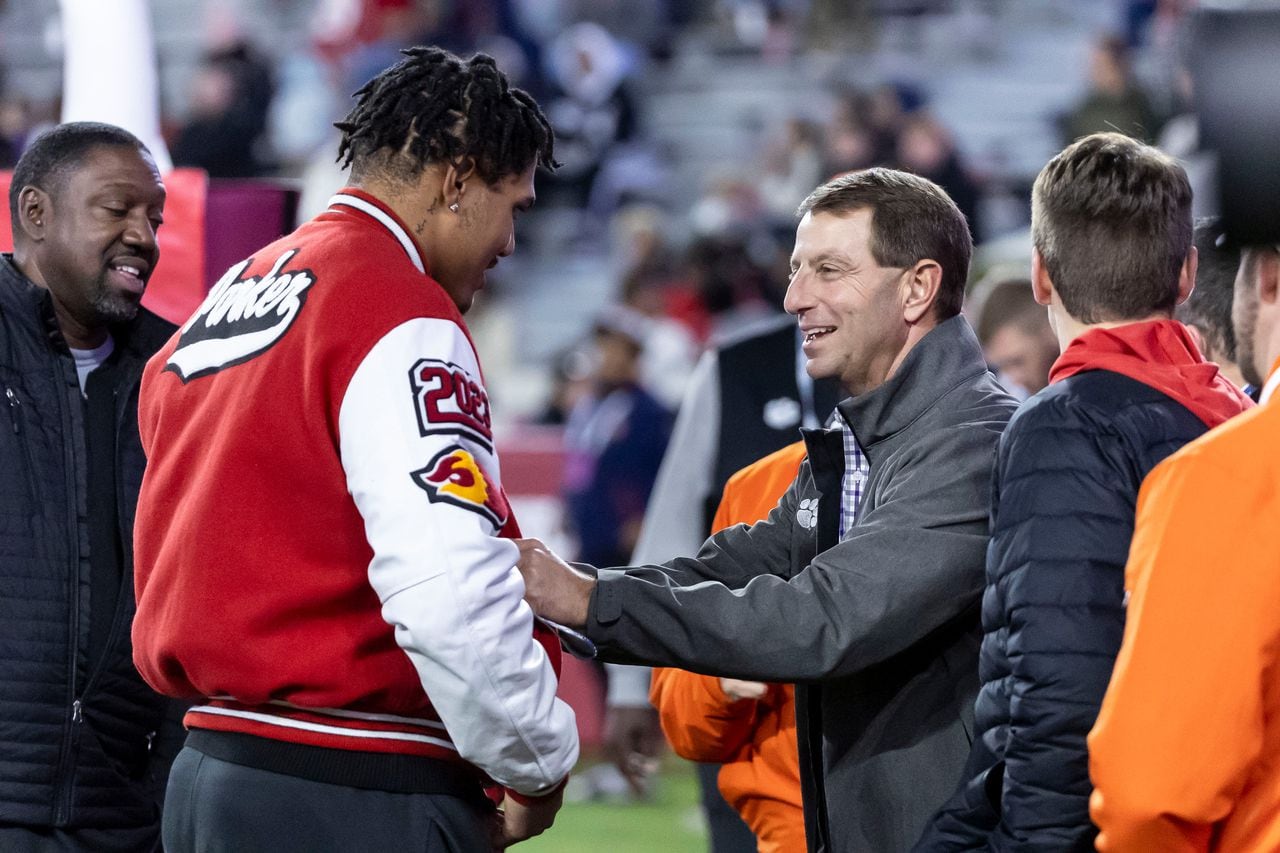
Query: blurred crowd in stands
<point x="684" y="278"/>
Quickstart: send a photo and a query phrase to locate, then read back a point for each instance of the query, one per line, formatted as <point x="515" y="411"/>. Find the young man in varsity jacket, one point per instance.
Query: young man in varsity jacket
<point x="324" y="546"/>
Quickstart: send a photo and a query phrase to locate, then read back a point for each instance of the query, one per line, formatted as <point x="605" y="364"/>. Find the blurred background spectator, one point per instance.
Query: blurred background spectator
<point x="614" y="440"/>
<point x="1115" y="101"/>
<point x="925" y="147"/>
<point x="1015" y="334"/>
<point x="15" y="126"/>
<point x="570" y="382"/>
<point x="589" y="106"/>
<point x="849" y="142"/>
<point x="229" y="99"/>
<point x="792" y="168"/>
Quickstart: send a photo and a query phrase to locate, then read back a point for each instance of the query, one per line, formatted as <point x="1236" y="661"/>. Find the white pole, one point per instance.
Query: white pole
<point x="109" y="70"/>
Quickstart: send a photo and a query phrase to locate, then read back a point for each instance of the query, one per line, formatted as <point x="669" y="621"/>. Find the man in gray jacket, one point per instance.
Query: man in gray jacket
<point x="863" y="585"/>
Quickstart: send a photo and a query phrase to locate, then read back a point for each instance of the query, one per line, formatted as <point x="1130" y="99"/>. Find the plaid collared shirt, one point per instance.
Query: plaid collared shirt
<point x="856" y="471"/>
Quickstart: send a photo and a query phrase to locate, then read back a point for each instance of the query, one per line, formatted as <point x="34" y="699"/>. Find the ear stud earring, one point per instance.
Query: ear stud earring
<point x="454" y="207"/>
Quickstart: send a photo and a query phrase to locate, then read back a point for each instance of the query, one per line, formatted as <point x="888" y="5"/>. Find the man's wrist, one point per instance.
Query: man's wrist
<point x="537" y="799"/>
<point x="587" y="587"/>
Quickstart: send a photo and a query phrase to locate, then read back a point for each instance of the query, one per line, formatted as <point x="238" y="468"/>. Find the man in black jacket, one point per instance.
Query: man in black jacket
<point x="1111" y="227"/>
<point x="863" y="584"/>
<point x="84" y="743"/>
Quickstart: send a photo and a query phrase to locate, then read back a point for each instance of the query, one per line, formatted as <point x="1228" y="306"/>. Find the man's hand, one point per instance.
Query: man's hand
<point x="633" y="740"/>
<point x="554" y="589"/>
<point x="521" y="822"/>
<point x="738" y="690"/>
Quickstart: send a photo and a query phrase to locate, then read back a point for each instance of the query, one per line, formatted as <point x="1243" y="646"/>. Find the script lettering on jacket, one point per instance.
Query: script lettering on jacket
<point x="240" y="318"/>
<point x="447" y="400"/>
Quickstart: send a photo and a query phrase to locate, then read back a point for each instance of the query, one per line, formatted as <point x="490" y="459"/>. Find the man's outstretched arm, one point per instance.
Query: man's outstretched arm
<point x="912" y="566"/>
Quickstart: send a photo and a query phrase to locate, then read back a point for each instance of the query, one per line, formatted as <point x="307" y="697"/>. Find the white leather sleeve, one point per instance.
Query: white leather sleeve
<point x="447" y="583"/>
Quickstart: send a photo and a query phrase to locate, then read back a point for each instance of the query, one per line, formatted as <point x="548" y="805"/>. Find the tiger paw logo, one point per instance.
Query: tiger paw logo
<point x="454" y="477"/>
<point x="807" y="514"/>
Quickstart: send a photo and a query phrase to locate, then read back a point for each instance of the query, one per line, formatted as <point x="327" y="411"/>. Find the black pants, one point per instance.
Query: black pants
<point x="214" y="806"/>
<point x="28" y="839"/>
<point x="726" y="832"/>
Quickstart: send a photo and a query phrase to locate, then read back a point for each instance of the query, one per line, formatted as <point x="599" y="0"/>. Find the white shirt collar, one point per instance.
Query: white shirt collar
<point x="1273" y="382"/>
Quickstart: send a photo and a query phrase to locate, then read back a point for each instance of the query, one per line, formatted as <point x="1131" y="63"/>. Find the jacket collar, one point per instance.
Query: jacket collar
<point x="1273" y="383"/>
<point x="1160" y="354"/>
<point x="19" y="292"/>
<point x="375" y="209"/>
<point x="25" y="301"/>
<point x="944" y="358"/>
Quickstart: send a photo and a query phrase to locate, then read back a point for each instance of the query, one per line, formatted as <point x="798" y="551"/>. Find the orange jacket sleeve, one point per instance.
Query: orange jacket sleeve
<point x="697" y="717"/>
<point x="700" y="722"/>
<point x="1182" y="723"/>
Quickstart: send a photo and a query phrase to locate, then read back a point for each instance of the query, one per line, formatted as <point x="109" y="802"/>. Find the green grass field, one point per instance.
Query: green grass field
<point x="668" y="823"/>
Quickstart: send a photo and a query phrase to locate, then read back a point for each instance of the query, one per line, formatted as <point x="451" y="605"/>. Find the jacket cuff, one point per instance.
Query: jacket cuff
<point x="605" y="605"/>
<point x="535" y="799"/>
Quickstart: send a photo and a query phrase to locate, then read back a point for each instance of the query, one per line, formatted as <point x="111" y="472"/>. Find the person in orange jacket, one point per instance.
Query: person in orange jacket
<point x="1185" y="755"/>
<point x="748" y="726"/>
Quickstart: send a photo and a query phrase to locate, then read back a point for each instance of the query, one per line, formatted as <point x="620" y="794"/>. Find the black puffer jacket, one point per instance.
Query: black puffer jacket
<point x="83" y="741"/>
<point x="1066" y="486"/>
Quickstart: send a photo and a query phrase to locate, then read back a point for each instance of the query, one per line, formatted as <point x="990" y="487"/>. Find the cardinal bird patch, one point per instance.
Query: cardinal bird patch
<point x="455" y="477"/>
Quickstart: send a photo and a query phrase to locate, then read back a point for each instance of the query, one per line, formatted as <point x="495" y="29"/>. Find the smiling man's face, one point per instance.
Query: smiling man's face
<point x="99" y="247"/>
<point x="850" y="309"/>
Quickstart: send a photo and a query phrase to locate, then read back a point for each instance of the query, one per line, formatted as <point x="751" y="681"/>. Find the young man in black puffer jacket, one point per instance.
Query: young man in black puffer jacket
<point x="1111" y="226"/>
<point x="85" y="745"/>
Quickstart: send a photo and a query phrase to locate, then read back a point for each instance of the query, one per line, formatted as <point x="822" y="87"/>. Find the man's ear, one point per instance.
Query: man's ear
<point x="455" y="180"/>
<point x="923" y="282"/>
<point x="1041" y="284"/>
<point x="1187" y="275"/>
<point x="34" y="208"/>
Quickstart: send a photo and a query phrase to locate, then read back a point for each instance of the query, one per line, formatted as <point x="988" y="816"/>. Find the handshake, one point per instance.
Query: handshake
<point x="554" y="589"/>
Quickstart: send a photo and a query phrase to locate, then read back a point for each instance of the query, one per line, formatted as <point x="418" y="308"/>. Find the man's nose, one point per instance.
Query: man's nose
<point x="796" y="298"/>
<point x="140" y="232"/>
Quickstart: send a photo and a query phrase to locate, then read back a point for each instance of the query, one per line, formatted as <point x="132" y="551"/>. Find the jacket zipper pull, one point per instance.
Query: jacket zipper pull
<point x="76" y="715"/>
<point x="14" y="403"/>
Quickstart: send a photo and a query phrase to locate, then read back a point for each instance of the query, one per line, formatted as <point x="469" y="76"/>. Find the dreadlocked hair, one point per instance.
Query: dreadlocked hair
<point x="432" y="107"/>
